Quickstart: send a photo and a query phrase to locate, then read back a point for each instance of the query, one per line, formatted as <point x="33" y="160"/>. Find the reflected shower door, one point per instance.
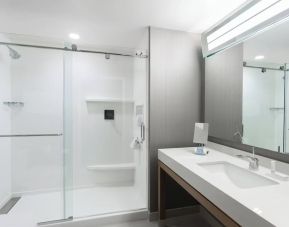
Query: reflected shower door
<point x="286" y="112"/>
<point x="263" y="107"/>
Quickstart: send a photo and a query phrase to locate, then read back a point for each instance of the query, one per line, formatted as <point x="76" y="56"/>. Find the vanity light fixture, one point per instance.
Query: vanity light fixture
<point x="74" y="36"/>
<point x="252" y="17"/>
<point x="259" y="57"/>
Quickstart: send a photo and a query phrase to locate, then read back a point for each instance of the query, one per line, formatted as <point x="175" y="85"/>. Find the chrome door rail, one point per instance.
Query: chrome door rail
<point x="31" y="135"/>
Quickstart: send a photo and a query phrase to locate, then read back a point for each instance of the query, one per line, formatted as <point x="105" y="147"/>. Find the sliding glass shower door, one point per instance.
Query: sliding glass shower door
<point x="286" y="110"/>
<point x="67" y="136"/>
<point x="109" y="146"/>
<point x="35" y="141"/>
<point x="73" y="132"/>
<point x="263" y="106"/>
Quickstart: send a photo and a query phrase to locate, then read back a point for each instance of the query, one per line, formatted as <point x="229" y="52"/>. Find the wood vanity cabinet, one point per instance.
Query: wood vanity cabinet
<point x="164" y="170"/>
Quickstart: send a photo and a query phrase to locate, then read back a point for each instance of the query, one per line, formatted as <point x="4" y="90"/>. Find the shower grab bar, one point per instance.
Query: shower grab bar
<point x="31" y="135"/>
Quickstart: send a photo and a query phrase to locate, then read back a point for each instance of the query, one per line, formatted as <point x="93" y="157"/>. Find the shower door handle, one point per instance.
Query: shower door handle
<point x="142" y="132"/>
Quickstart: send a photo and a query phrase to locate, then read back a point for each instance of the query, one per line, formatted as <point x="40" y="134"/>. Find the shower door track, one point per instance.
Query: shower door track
<point x="31" y="135"/>
<point x="67" y="49"/>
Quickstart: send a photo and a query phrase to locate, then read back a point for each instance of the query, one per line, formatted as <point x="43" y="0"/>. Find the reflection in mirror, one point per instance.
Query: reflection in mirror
<point x="264" y="77"/>
<point x="246" y="91"/>
<point x="263" y="106"/>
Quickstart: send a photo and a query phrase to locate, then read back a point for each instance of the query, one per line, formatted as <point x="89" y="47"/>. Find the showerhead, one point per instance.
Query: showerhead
<point x="13" y="53"/>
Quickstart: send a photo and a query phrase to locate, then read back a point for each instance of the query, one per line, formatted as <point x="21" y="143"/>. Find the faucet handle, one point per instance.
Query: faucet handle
<point x="253" y="163"/>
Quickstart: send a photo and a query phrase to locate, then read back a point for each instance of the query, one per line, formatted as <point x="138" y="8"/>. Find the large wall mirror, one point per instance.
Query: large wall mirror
<point x="247" y="91"/>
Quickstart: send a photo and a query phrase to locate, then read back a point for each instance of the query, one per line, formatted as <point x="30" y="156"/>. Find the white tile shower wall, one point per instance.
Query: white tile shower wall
<point x="98" y="141"/>
<point x="36" y="80"/>
<point x="5" y="143"/>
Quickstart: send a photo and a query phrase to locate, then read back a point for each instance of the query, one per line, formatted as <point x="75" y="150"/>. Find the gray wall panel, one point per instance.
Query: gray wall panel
<point x="223" y="93"/>
<point x="175" y="94"/>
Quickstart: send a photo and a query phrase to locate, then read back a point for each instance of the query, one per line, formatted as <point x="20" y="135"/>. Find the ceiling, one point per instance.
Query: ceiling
<point x="109" y="22"/>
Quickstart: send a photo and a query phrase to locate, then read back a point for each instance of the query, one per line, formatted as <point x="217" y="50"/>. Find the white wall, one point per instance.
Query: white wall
<point x="5" y="143"/>
<point x="98" y="141"/>
<point x="262" y="91"/>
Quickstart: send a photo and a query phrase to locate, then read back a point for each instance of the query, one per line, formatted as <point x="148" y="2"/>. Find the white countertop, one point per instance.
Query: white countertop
<point x="253" y="207"/>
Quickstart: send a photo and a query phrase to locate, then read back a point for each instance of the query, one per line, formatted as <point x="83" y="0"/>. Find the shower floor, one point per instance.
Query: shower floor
<point x="35" y="208"/>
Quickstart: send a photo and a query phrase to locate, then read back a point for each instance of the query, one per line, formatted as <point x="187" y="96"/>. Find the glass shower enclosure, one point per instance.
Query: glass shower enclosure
<point x="265" y="91"/>
<point x="73" y="132"/>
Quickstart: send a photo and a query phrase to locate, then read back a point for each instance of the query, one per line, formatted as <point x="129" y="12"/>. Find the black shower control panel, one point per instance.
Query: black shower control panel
<point x="109" y="114"/>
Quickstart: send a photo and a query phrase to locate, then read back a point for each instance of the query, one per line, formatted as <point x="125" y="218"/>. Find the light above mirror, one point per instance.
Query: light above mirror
<point x="242" y="18"/>
<point x="254" y="16"/>
<point x="251" y="18"/>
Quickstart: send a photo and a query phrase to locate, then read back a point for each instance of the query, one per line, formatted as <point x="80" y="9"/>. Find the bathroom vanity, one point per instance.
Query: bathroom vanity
<point x="224" y="185"/>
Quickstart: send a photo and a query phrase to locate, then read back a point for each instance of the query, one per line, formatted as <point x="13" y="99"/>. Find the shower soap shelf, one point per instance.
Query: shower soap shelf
<point x="108" y="100"/>
<point x="120" y="166"/>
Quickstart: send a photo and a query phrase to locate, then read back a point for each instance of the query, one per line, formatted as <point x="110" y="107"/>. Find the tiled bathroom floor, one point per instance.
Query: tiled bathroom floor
<point x="35" y="208"/>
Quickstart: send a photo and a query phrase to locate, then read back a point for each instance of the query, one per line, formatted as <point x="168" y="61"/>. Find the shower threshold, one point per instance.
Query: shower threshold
<point x="9" y="205"/>
<point x="96" y="204"/>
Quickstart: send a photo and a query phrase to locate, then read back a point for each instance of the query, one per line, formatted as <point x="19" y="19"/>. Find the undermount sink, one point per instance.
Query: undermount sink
<point x="240" y="177"/>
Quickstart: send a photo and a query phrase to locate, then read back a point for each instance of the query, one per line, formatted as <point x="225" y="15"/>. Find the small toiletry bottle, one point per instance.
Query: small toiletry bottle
<point x="273" y="166"/>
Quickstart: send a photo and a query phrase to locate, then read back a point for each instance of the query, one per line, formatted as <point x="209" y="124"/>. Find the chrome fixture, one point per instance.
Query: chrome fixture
<point x="142" y="132"/>
<point x="31" y="135"/>
<point x="74" y="47"/>
<point x="238" y="133"/>
<point x="141" y="54"/>
<point x="107" y="56"/>
<point x="264" y="69"/>
<point x="13" y="103"/>
<point x="253" y="161"/>
<point x="13" y="53"/>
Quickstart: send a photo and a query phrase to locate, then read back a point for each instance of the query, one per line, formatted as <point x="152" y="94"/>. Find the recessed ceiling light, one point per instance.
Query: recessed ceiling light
<point x="74" y="36"/>
<point x="259" y="57"/>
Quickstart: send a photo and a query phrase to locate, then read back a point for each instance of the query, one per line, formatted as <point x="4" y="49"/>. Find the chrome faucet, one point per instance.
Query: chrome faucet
<point x="239" y="134"/>
<point x="253" y="161"/>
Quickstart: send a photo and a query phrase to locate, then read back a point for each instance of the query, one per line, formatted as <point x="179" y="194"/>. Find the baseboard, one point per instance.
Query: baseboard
<point x="153" y="216"/>
<point x="101" y="220"/>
